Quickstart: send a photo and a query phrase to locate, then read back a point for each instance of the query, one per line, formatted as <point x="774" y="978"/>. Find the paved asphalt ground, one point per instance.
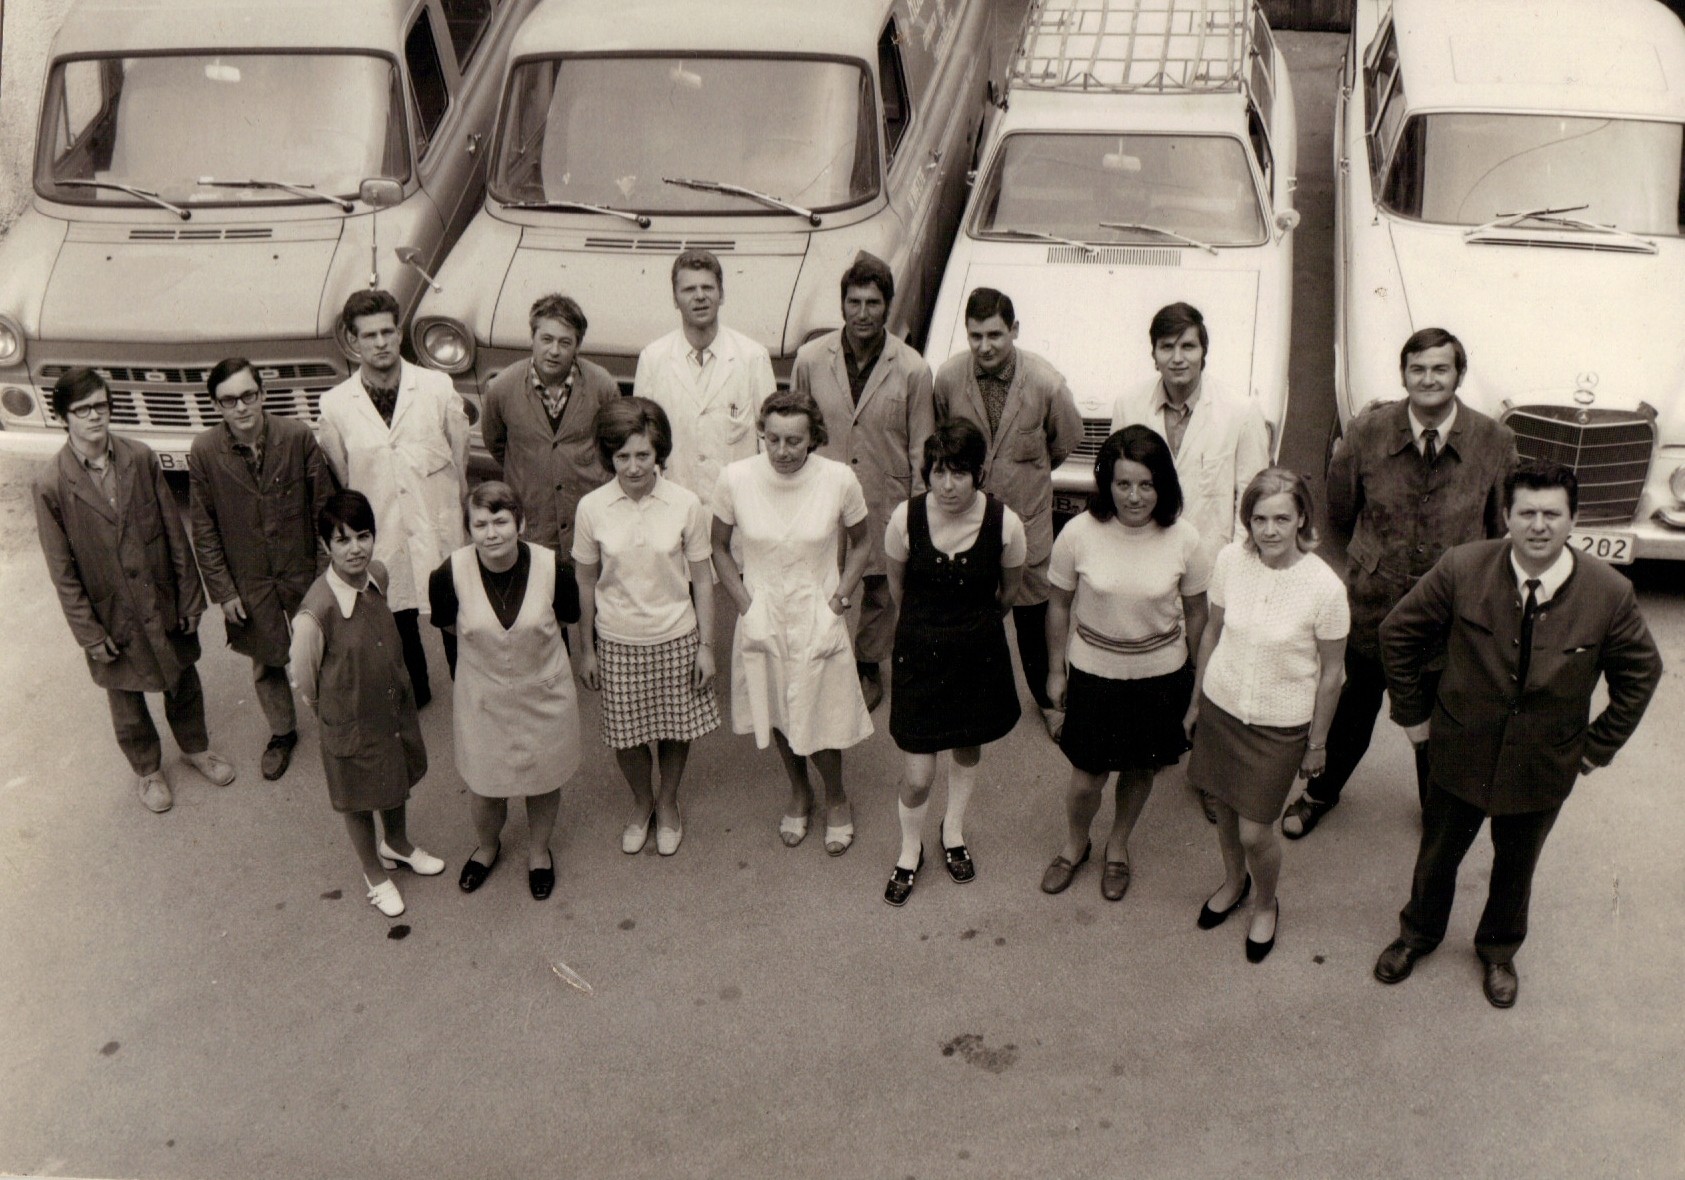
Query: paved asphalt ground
<point x="206" y="994"/>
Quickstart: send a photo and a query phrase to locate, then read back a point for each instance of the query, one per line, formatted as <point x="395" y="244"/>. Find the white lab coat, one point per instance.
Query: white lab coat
<point x="712" y="415"/>
<point x="414" y="473"/>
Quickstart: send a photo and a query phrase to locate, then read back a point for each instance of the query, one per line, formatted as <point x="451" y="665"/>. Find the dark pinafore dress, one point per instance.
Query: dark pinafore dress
<point x="952" y="682"/>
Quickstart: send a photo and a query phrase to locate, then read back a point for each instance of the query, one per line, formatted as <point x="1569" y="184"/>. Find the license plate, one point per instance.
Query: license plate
<point x="1615" y="548"/>
<point x="172" y="461"/>
<point x="1067" y="504"/>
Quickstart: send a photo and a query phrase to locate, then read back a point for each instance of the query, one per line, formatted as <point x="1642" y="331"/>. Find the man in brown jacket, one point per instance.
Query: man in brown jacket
<point x="1025" y="410"/>
<point x="875" y="393"/>
<point x="257" y="482"/>
<point x="1528" y="627"/>
<point x="127" y="581"/>
<point x="539" y="422"/>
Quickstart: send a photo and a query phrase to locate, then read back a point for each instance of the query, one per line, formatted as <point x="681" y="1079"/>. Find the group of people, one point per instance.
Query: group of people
<point x="1184" y="612"/>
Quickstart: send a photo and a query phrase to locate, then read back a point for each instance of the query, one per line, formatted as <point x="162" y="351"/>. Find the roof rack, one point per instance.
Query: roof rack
<point x="1127" y="46"/>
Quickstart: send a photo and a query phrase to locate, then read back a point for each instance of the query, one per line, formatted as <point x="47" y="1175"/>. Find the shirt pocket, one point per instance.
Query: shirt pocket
<point x="428" y="456"/>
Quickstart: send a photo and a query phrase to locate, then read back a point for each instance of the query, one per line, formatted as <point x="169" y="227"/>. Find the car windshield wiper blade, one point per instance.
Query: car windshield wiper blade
<point x="1511" y="220"/>
<point x="1162" y="232"/>
<point x="287" y="186"/>
<point x="1554" y="217"/>
<point x="1042" y="235"/>
<point x="639" y="219"/>
<point x="737" y="190"/>
<point x="143" y="193"/>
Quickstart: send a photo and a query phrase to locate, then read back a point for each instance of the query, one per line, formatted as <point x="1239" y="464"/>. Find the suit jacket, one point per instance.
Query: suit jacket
<point x="1503" y="746"/>
<point x="1401" y="517"/>
<point x="549" y="470"/>
<point x="256" y="538"/>
<point x="1039" y="427"/>
<point x="713" y="418"/>
<point x="126" y="573"/>
<point x="882" y="438"/>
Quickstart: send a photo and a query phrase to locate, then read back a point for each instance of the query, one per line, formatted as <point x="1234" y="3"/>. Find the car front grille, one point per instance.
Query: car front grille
<point x="1609" y="450"/>
<point x="174" y="397"/>
<point x="1095" y="431"/>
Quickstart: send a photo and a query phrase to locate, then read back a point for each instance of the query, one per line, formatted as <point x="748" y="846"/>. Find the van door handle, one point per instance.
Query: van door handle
<point x="935" y="159"/>
<point x="473" y="143"/>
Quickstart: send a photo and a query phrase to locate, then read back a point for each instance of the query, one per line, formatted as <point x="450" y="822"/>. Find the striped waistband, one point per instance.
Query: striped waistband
<point x="1128" y="647"/>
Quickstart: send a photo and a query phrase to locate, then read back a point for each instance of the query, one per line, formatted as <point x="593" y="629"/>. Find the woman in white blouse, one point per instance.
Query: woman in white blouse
<point x="1270" y="666"/>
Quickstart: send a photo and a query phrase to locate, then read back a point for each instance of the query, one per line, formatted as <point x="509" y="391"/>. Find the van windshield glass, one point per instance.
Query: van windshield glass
<point x="611" y="130"/>
<point x="162" y="124"/>
<point x="1472" y="169"/>
<point x="1191" y="186"/>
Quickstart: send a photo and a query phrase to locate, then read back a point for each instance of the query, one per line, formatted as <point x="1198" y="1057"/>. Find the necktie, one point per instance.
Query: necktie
<point x="1529" y="614"/>
<point x="1430" y="445"/>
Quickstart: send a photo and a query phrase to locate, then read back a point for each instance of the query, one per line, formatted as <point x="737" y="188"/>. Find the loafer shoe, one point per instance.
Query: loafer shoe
<point x="1500" y="983"/>
<point x="474" y="873"/>
<point x="218" y="770"/>
<point x="900" y="886"/>
<point x="1305" y="814"/>
<point x="154" y="792"/>
<point x="385" y="898"/>
<point x="667" y="839"/>
<point x="1058" y="876"/>
<point x="635" y="836"/>
<point x="1397" y="961"/>
<point x="1114" y="881"/>
<point x="541" y="881"/>
<point x="278" y="755"/>
<point x="958" y="859"/>
<point x="422" y="864"/>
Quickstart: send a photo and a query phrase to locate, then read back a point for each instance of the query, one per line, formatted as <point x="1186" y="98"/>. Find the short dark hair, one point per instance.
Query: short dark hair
<point x="694" y="259"/>
<point x="1540" y="475"/>
<point x="347" y="508"/>
<point x="868" y="270"/>
<point x="555" y="306"/>
<point x="1426" y="338"/>
<point x="985" y="302"/>
<point x="956" y="445"/>
<point x="230" y="367"/>
<point x="1143" y="445"/>
<point x="494" y="496"/>
<point x="1171" y="320"/>
<point x="368" y="302"/>
<point x="76" y="385"/>
<point x="1272" y="481"/>
<point x="622" y="417"/>
<point x="795" y="401"/>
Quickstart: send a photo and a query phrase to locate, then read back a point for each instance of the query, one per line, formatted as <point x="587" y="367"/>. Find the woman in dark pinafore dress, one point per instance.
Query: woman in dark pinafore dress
<point x="955" y="559"/>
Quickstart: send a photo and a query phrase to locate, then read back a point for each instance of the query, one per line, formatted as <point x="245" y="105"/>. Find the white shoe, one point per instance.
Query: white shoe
<point x="385" y="898"/>
<point x="423" y="864"/>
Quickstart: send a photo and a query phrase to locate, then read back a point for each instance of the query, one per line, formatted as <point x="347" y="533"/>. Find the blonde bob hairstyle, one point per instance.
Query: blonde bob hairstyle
<point x="1272" y="481"/>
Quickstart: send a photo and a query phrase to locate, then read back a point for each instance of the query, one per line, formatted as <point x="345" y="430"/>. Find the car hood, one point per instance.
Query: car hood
<point x="1090" y="319"/>
<point x="107" y="285"/>
<point x="1536" y="320"/>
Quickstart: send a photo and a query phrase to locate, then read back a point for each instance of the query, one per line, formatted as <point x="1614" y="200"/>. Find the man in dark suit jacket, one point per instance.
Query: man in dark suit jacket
<point x="1528" y="626"/>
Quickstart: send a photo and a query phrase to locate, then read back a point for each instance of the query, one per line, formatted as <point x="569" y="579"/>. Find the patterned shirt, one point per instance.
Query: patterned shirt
<point x="554" y="398"/>
<point x="385" y="400"/>
<point x="994" y="388"/>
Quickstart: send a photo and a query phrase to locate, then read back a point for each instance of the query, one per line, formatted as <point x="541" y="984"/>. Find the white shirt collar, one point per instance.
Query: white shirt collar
<point x="345" y="593"/>
<point x="661" y="490"/>
<point x="1161" y="399"/>
<point x="1550" y="581"/>
<point x="1444" y="428"/>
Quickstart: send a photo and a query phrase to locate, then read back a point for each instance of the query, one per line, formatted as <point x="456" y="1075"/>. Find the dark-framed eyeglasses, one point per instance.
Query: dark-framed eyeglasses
<point x="88" y="409"/>
<point x="246" y="398"/>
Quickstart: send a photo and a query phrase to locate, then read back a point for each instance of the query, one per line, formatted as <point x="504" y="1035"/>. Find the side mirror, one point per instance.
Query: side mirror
<point x="411" y="257"/>
<point x="380" y="192"/>
<point x="1286" y="222"/>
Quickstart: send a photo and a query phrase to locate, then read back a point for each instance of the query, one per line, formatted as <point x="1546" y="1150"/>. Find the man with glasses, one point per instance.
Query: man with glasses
<point x="119" y="559"/>
<point x="257" y="482"/>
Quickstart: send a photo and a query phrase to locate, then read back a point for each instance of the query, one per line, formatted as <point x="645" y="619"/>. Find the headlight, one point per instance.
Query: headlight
<point x="11" y="341"/>
<point x="1676" y="483"/>
<point x="445" y="344"/>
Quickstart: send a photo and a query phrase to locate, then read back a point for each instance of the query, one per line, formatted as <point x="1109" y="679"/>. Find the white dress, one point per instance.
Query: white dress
<point x="792" y="662"/>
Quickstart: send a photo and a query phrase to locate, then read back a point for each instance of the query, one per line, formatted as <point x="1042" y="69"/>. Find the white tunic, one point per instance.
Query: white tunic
<point x="516" y="718"/>
<point x="792" y="662"/>
<point x="712" y="409"/>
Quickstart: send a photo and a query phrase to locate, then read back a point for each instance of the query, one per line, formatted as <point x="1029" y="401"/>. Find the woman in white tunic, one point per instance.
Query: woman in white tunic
<point x="793" y="679"/>
<point x="516" y="717"/>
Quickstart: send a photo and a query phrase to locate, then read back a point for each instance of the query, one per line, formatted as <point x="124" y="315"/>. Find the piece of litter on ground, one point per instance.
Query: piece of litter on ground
<point x="570" y="977"/>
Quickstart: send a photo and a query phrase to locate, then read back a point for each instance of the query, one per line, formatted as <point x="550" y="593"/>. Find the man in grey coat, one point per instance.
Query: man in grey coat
<point x="126" y="579"/>
<point x="257" y="481"/>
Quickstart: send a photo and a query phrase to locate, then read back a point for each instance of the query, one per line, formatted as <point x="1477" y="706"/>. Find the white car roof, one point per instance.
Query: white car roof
<point x="1193" y="114"/>
<point x="140" y="26"/>
<point x="840" y="28"/>
<point x="1608" y="57"/>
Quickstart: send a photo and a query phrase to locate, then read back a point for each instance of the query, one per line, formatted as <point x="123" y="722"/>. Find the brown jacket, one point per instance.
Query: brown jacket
<point x="127" y="573"/>
<point x="256" y="538"/>
<point x="549" y="470"/>
<point x="1502" y="746"/>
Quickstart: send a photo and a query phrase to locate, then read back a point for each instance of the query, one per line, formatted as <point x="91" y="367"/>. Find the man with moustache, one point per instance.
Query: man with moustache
<point x="257" y="482"/>
<point x="399" y="435"/>
<point x="875" y="393"/>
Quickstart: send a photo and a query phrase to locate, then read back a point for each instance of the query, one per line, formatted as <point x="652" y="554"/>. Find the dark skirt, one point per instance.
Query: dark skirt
<point x="1125" y="724"/>
<point x="649" y="695"/>
<point x="951" y="687"/>
<point x="1249" y="767"/>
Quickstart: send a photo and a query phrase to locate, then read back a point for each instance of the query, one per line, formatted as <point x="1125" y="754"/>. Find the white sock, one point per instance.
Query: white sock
<point x="912" y="833"/>
<point x="961" y="780"/>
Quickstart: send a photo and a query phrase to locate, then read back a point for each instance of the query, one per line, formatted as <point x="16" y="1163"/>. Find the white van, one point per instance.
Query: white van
<point x="782" y="135"/>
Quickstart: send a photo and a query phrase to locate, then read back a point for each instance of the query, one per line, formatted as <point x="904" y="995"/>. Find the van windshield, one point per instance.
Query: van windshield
<point x="611" y="130"/>
<point x="1067" y="185"/>
<point x="161" y="124"/>
<point x="1470" y="169"/>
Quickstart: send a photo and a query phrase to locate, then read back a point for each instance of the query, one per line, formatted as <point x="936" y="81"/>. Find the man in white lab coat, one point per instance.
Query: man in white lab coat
<point x="399" y="435"/>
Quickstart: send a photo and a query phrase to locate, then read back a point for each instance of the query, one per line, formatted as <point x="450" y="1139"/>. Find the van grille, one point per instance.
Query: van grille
<point x="1100" y="255"/>
<point x="174" y="397"/>
<point x="661" y="245"/>
<point x="1095" y="431"/>
<point x="240" y="233"/>
<point x="1609" y="450"/>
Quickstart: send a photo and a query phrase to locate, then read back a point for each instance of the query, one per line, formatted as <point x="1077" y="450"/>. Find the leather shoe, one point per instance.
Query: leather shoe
<point x="1306" y="813"/>
<point x="385" y="898"/>
<point x="217" y="769"/>
<point x="1397" y="961"/>
<point x="1058" y="876"/>
<point x="958" y="859"/>
<point x="900" y="886"/>
<point x="542" y="881"/>
<point x="474" y="873"/>
<point x="1114" y="881"/>
<point x="635" y="836"/>
<point x="871" y="688"/>
<point x="1256" y="952"/>
<point x="1210" y="919"/>
<point x="278" y="755"/>
<point x="422" y="864"/>
<point x="1500" y="984"/>
<point x="154" y="792"/>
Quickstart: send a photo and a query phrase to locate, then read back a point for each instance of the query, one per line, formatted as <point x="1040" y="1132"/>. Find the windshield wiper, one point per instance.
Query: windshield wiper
<point x="639" y="219"/>
<point x="142" y="193"/>
<point x="1043" y="236"/>
<point x="297" y="190"/>
<point x="737" y="190"/>
<point x="1162" y="232"/>
<point x="1554" y="217"/>
<point x="1511" y="220"/>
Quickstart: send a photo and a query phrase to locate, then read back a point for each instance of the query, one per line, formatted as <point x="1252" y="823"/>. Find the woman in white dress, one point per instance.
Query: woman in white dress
<point x="793" y="679"/>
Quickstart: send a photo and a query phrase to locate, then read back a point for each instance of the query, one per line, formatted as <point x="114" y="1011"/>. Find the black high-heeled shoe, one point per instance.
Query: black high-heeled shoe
<point x="1210" y="919"/>
<point x="1256" y="951"/>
